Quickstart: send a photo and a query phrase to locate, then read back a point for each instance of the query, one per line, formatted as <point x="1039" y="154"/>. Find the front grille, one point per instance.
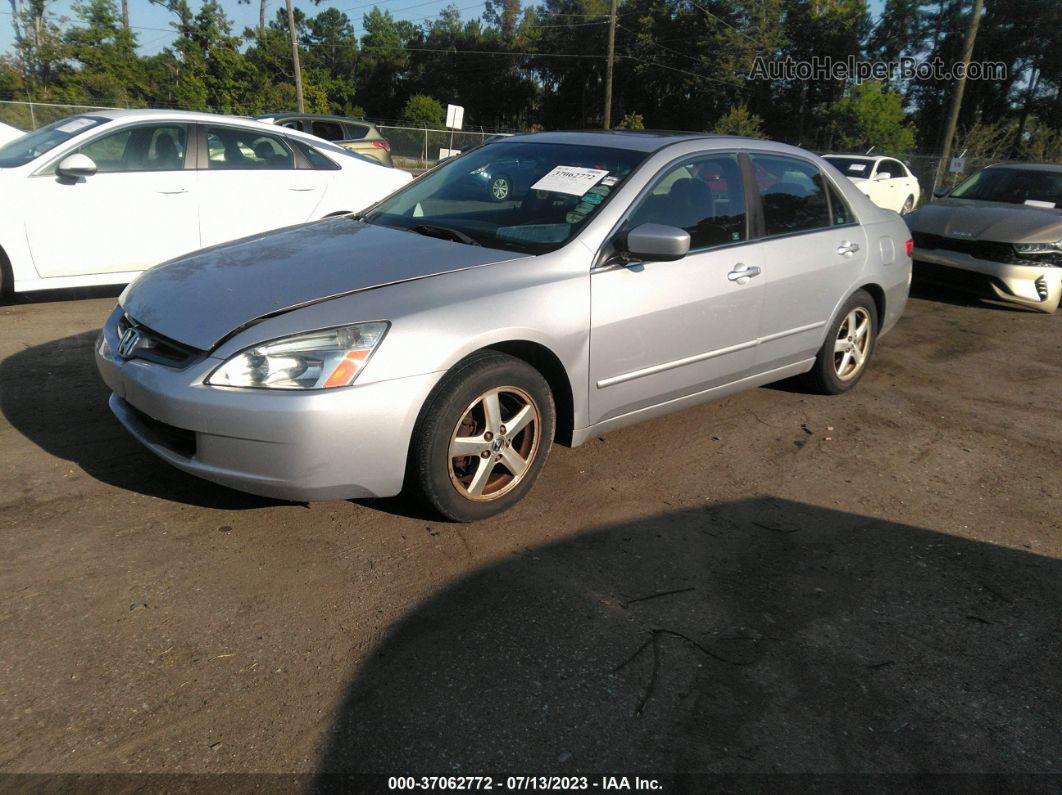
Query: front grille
<point x="985" y="249"/>
<point x="177" y="440"/>
<point x="152" y="346"/>
<point x="967" y="281"/>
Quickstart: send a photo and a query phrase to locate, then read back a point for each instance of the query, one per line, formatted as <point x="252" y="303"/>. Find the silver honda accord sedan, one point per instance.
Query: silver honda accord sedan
<point x="442" y="340"/>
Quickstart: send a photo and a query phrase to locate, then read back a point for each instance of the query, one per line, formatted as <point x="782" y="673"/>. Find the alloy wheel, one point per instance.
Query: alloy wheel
<point x="499" y="188"/>
<point x="494" y="443"/>
<point x="852" y="346"/>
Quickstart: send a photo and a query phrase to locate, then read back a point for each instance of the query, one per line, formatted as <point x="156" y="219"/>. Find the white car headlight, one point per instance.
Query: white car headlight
<point x="1038" y="248"/>
<point x="315" y="360"/>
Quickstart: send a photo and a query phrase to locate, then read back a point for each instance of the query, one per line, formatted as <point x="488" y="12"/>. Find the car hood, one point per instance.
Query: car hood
<point x="201" y="298"/>
<point x="994" y="221"/>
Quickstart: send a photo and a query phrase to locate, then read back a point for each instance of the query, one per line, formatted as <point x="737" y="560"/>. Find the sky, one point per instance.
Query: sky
<point x="152" y="22"/>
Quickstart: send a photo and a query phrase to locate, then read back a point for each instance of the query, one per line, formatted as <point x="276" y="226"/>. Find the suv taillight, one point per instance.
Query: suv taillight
<point x="909" y="247"/>
<point x="382" y="145"/>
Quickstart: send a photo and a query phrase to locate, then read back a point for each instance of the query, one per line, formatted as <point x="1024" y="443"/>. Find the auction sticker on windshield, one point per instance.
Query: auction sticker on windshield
<point x="572" y="180"/>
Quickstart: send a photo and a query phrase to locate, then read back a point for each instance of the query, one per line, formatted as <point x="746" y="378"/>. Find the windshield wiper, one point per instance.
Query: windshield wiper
<point x="444" y="233"/>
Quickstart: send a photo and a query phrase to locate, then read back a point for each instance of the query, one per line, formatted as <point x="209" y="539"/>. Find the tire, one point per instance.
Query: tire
<point x="908" y="206"/>
<point x="457" y="416"/>
<point x="500" y="188"/>
<point x="837" y="368"/>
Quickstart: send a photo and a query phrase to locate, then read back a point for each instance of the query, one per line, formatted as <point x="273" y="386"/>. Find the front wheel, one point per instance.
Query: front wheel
<point x="844" y="355"/>
<point x="908" y="206"/>
<point x="483" y="437"/>
<point x="501" y="188"/>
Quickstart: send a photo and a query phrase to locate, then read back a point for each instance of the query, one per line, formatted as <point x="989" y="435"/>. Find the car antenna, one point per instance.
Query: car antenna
<point x="871" y="149"/>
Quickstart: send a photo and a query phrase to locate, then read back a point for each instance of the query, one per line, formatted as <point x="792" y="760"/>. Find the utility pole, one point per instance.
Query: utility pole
<point x="607" y="122"/>
<point x="125" y="14"/>
<point x="956" y="97"/>
<point x="295" y="59"/>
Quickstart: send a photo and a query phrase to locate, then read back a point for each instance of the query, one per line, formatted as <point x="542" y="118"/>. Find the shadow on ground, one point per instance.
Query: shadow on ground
<point x="71" y="294"/>
<point x="759" y="636"/>
<point x="53" y="396"/>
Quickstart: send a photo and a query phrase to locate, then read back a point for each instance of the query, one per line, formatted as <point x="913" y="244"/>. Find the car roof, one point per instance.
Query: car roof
<point x="864" y="157"/>
<point x="1054" y="167"/>
<point x="646" y="140"/>
<point x="325" y="116"/>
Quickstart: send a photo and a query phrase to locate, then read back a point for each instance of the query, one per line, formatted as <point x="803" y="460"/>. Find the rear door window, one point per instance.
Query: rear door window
<point x="229" y="148"/>
<point x="355" y="132"/>
<point x="329" y="130"/>
<point x="793" y="193"/>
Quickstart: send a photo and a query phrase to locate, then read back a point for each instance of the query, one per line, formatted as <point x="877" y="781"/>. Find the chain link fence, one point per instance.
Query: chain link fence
<point x="416" y="147"/>
<point x="31" y="115"/>
<point x="925" y="167"/>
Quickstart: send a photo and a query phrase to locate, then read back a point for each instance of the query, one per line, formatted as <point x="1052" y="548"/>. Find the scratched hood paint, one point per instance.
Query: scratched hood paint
<point x="200" y="298"/>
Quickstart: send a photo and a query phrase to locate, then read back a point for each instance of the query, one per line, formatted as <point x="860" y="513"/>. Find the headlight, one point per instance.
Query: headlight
<point x="1038" y="248"/>
<point x="316" y="360"/>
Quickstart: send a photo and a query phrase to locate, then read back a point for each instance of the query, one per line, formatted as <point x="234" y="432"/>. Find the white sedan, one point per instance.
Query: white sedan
<point x="8" y="133"/>
<point x="888" y="182"/>
<point x="96" y="198"/>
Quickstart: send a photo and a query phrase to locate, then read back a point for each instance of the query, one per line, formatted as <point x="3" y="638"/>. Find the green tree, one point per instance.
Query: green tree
<point x="870" y="115"/>
<point x="110" y="71"/>
<point x="632" y="121"/>
<point x="738" y="121"/>
<point x="423" y="111"/>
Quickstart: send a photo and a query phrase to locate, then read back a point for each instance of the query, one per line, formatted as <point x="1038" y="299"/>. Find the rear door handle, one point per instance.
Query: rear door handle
<point x="742" y="273"/>
<point x="847" y="247"/>
<point x="174" y="192"/>
<point x="302" y="190"/>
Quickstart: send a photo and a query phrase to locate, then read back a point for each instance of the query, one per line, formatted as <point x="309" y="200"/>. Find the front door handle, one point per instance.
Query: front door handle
<point x="847" y="248"/>
<point x="174" y="192"/>
<point x="302" y="190"/>
<point x="742" y="273"/>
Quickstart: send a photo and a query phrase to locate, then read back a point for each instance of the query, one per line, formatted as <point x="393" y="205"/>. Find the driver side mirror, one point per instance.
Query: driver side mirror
<point x="940" y="193"/>
<point x="76" y="166"/>
<point x="881" y="176"/>
<point x="658" y="243"/>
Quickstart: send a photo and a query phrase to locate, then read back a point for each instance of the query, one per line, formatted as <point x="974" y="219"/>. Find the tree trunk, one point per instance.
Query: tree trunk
<point x="125" y="13"/>
<point x="261" y="18"/>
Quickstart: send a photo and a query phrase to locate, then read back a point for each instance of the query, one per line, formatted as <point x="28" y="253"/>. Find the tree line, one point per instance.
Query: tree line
<point x="680" y="64"/>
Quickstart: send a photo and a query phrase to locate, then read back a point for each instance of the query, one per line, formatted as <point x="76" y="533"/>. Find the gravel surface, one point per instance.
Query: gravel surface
<point x="777" y="582"/>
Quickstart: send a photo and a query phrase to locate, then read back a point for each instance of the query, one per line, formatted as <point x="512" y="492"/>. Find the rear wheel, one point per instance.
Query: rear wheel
<point x="908" y="206"/>
<point x="483" y="437"/>
<point x="844" y="355"/>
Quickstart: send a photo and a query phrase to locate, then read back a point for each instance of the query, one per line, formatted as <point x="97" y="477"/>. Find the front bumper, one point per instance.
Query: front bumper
<point x="1036" y="287"/>
<point x="302" y="446"/>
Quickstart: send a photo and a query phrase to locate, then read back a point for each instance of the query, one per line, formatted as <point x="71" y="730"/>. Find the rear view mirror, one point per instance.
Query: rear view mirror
<point x="76" y="166"/>
<point x="658" y="243"/>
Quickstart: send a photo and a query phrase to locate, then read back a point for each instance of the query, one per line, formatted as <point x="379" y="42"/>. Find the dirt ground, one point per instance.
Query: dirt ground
<point x="865" y="583"/>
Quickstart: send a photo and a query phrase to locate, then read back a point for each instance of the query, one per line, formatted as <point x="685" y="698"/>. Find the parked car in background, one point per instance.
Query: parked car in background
<point x="97" y="198"/>
<point x="888" y="182"/>
<point x="455" y="339"/>
<point x="8" y="133"/>
<point x="357" y="135"/>
<point x="997" y="233"/>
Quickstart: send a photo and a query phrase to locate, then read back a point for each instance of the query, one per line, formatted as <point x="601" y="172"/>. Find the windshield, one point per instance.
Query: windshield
<point x="1013" y="186"/>
<point x="852" y="166"/>
<point x="527" y="197"/>
<point x="32" y="145"/>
